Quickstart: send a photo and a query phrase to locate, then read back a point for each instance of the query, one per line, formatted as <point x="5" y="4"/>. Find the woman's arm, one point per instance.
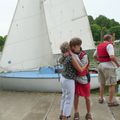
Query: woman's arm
<point x="61" y="60"/>
<point x="95" y="55"/>
<point x="77" y="66"/>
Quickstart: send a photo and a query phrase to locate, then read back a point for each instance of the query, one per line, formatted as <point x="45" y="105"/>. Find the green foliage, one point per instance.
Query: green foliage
<point x="113" y="23"/>
<point x="96" y="29"/>
<point x="2" y="41"/>
<point x="103" y="25"/>
<point x="91" y="20"/>
<point x="103" y="21"/>
<point x="116" y="30"/>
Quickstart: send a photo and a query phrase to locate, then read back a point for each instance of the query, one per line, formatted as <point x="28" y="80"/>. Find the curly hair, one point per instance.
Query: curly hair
<point x="64" y="47"/>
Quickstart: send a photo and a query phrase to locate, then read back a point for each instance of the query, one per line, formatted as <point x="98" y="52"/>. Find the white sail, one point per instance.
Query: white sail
<point x="28" y="44"/>
<point x="67" y="19"/>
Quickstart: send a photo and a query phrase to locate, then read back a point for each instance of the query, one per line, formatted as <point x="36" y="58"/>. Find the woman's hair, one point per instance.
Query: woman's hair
<point x="75" y="41"/>
<point x="65" y="47"/>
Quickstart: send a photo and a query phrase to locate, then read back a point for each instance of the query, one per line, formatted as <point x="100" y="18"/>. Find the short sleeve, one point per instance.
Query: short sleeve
<point x="84" y="60"/>
<point x="110" y="49"/>
<point x="95" y="53"/>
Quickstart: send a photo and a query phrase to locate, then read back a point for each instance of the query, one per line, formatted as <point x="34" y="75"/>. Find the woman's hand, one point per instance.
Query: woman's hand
<point x="66" y="54"/>
<point x="71" y="53"/>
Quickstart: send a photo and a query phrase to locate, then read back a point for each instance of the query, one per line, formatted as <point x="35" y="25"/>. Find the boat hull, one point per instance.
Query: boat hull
<point x="37" y="84"/>
<point x="43" y="80"/>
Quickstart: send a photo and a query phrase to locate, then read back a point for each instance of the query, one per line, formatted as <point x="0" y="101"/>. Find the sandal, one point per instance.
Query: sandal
<point x="60" y="117"/>
<point x="101" y="101"/>
<point x="88" y="116"/>
<point x="76" y="116"/>
<point x="113" y="104"/>
<point x="66" y="118"/>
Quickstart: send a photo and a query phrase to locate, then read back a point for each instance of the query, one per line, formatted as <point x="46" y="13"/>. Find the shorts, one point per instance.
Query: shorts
<point x="107" y="76"/>
<point x="82" y="89"/>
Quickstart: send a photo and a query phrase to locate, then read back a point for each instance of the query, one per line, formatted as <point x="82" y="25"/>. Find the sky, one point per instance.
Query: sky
<point x="109" y="8"/>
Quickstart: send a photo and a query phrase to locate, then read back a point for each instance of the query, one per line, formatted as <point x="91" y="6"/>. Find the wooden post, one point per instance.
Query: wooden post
<point x="113" y="37"/>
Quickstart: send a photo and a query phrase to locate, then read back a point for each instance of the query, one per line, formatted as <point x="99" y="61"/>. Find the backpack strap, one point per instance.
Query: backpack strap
<point x="82" y="53"/>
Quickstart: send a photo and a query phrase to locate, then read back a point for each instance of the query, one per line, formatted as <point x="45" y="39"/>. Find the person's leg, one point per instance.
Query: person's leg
<point x="62" y="80"/>
<point x="111" y="93"/>
<point x="62" y="104"/>
<point x="101" y="91"/>
<point x="76" y="102"/>
<point x="111" y="82"/>
<point x="64" y="118"/>
<point x="101" y="77"/>
<point x="88" y="105"/>
<point x="69" y="85"/>
<point x="76" y="112"/>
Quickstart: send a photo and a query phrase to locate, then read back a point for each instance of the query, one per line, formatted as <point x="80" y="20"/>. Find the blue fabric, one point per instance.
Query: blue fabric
<point x="46" y="72"/>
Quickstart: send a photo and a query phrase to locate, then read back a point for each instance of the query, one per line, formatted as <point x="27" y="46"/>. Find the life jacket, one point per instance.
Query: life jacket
<point x="103" y="55"/>
<point x="84" y="72"/>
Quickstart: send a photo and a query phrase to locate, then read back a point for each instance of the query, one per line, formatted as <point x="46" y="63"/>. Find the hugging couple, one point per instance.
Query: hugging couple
<point x="75" y="79"/>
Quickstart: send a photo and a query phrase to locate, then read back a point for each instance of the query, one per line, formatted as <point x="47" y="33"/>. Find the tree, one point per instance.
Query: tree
<point x="104" y="31"/>
<point x="103" y="25"/>
<point x="5" y="37"/>
<point x="96" y="30"/>
<point x="103" y="21"/>
<point x="116" y="30"/>
<point x="113" y="23"/>
<point x="91" y="20"/>
<point x="2" y="41"/>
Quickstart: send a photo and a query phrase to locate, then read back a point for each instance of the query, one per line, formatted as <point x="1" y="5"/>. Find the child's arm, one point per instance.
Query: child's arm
<point x="77" y="65"/>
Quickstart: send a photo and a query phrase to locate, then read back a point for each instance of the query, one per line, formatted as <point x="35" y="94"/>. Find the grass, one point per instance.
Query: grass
<point x="96" y="91"/>
<point x="106" y="93"/>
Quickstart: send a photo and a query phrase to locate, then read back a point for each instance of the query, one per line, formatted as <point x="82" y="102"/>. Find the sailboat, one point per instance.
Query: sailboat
<point x="31" y="50"/>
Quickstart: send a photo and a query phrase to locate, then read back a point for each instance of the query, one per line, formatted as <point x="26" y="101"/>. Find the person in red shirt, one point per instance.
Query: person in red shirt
<point x="107" y="68"/>
<point x="82" y="86"/>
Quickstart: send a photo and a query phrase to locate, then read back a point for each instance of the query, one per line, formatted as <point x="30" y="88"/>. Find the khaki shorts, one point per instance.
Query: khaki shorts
<point x="107" y="76"/>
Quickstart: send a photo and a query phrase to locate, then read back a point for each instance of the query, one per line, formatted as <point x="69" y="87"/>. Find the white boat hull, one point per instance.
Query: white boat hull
<point x="37" y="84"/>
<point x="44" y="80"/>
<point x="23" y="84"/>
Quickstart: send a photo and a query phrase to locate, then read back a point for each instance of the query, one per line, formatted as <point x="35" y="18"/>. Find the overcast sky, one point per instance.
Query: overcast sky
<point x="109" y="8"/>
